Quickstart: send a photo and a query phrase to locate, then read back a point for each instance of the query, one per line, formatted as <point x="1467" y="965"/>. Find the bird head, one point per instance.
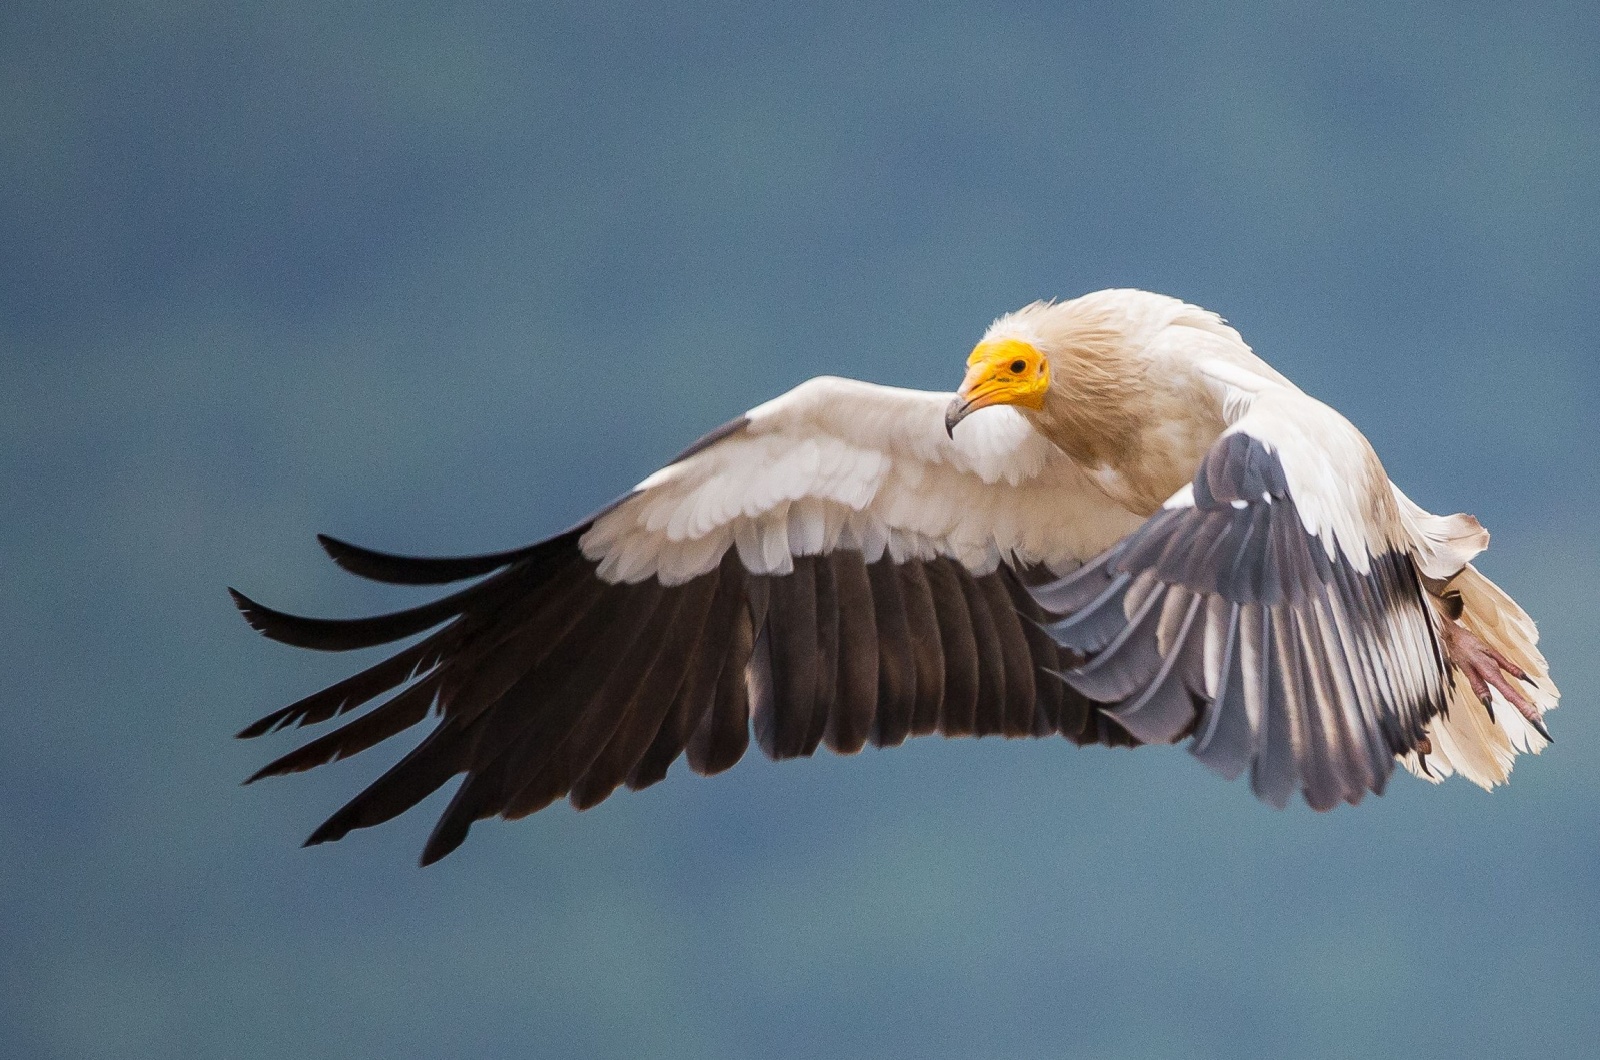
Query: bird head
<point x="1005" y="370"/>
<point x="1072" y="367"/>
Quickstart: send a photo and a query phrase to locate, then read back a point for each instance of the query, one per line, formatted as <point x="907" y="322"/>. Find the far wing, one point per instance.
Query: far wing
<point x="828" y="569"/>
<point x="1271" y="611"/>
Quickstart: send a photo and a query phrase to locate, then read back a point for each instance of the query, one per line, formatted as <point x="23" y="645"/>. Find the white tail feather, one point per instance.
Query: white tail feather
<point x="1465" y="741"/>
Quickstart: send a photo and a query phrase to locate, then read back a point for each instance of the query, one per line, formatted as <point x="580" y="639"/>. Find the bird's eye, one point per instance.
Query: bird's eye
<point x="1018" y="367"/>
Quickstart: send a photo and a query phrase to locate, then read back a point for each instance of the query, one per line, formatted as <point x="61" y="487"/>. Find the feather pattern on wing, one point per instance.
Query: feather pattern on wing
<point x="1284" y="629"/>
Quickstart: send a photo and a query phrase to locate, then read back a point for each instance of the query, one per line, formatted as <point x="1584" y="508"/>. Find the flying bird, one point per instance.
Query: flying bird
<point x="1124" y="528"/>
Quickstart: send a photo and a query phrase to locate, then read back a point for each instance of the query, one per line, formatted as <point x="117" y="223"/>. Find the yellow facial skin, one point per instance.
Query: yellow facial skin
<point x="1002" y="372"/>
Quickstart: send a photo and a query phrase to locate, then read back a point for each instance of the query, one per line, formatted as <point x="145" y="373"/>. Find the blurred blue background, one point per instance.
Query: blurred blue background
<point x="443" y="277"/>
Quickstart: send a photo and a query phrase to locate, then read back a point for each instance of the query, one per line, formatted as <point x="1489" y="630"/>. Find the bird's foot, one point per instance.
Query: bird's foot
<point x="1424" y="748"/>
<point x="1485" y="668"/>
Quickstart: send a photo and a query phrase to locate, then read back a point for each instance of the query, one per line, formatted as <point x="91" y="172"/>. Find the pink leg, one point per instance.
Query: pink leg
<point x="1484" y="667"/>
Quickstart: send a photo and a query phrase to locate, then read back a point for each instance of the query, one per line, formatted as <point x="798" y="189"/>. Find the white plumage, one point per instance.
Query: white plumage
<point x="839" y="463"/>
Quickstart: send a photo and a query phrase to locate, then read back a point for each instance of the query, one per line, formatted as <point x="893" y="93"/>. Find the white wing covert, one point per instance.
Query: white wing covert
<point x="837" y="463"/>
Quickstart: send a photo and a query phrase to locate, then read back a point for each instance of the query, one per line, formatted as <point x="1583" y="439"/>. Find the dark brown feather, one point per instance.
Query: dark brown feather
<point x="448" y="749"/>
<point x="783" y="720"/>
<point x="989" y="718"/>
<point x="572" y="609"/>
<point x="441" y="755"/>
<point x="958" y="646"/>
<point x="1043" y="657"/>
<point x="927" y="654"/>
<point x="637" y="728"/>
<point x="359" y="688"/>
<point x="827" y="669"/>
<point x="897" y="675"/>
<point x="348" y="634"/>
<point x="438" y="570"/>
<point x="572" y="750"/>
<point x="524" y="729"/>
<point x="723" y="735"/>
<point x="855" y="704"/>
<point x="1016" y="659"/>
<point x="699" y="689"/>
<point x="373" y="727"/>
<point x="550" y="782"/>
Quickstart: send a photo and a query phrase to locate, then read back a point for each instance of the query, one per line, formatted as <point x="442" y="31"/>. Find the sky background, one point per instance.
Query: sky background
<point x="442" y="278"/>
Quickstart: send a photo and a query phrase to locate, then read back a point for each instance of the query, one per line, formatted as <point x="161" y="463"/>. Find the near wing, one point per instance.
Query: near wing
<point x="829" y="568"/>
<point x="1272" y="611"/>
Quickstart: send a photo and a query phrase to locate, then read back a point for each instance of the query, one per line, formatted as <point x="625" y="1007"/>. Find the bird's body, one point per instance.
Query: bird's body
<point x="1146" y="509"/>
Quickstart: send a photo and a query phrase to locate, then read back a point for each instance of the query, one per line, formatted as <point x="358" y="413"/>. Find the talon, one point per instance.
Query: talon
<point x="1424" y="748"/>
<point x="1486" y="669"/>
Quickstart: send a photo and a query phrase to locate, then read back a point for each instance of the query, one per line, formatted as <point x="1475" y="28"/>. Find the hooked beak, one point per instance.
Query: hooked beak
<point x="954" y="413"/>
<point x="999" y="372"/>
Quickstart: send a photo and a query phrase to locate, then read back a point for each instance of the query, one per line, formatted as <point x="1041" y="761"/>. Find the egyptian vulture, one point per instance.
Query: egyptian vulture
<point x="1123" y="528"/>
